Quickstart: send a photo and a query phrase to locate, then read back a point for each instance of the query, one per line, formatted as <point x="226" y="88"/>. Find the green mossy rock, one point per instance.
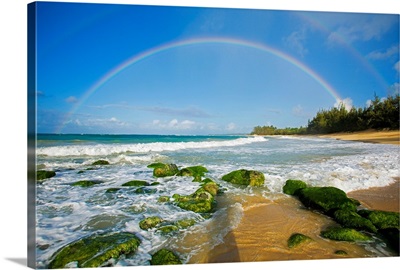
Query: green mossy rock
<point x="149" y="223"/>
<point x="350" y="219"/>
<point x="382" y="219"/>
<point x="210" y="186"/>
<point x="96" y="250"/>
<point x="345" y="234"/>
<point x="42" y="174"/>
<point x="112" y="190"/>
<point x="326" y="199"/>
<point x="391" y="237"/>
<point x="163" y="170"/>
<point x="245" y="177"/>
<point x="143" y="190"/>
<point x="340" y="252"/>
<point x="291" y="186"/>
<point x="164" y="257"/>
<point x="201" y="201"/>
<point x="196" y="171"/>
<point x="297" y="239"/>
<point x="101" y="162"/>
<point x="168" y="229"/>
<point x="86" y="183"/>
<point x="136" y="183"/>
<point x="163" y="199"/>
<point x="185" y="223"/>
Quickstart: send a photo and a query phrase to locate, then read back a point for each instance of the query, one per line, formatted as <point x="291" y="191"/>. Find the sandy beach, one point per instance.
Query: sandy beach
<point x="266" y="224"/>
<point x="371" y="136"/>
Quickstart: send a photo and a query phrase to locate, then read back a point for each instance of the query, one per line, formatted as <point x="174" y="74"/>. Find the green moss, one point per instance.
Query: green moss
<point x="185" y="223"/>
<point x="297" y="239"/>
<point x="86" y="183"/>
<point x="93" y="251"/>
<point x="101" y="162"/>
<point x="163" y="170"/>
<point x="245" y="177"/>
<point x="168" y="229"/>
<point x="150" y="222"/>
<point x="196" y="171"/>
<point x="344" y="234"/>
<point x="350" y="219"/>
<point x="326" y="199"/>
<point x="381" y="219"/>
<point x="211" y="187"/>
<point x="163" y="199"/>
<point x="340" y="252"/>
<point x="112" y="190"/>
<point x="42" y="174"/>
<point x="201" y="201"/>
<point x="164" y="257"/>
<point x="135" y="183"/>
<point x="291" y="186"/>
<point x="143" y="190"/>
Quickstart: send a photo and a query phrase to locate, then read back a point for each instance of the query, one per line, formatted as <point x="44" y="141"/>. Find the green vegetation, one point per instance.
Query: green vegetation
<point x="41" y="175"/>
<point x="196" y="171"/>
<point x="382" y="219"/>
<point x="164" y="257"/>
<point x="136" y="183"/>
<point x="297" y="239"/>
<point x="291" y="186"/>
<point x="163" y="170"/>
<point x="380" y="114"/>
<point x="96" y="250"/>
<point x="350" y="219"/>
<point x="86" y="183"/>
<point x="245" y="177"/>
<point x="345" y="234"/>
<point x="149" y="222"/>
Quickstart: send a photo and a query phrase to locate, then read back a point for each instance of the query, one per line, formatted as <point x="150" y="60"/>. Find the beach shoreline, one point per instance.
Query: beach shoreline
<point x="265" y="226"/>
<point x="368" y="136"/>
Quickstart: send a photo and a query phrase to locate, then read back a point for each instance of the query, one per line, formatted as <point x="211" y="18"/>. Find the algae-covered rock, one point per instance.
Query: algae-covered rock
<point x="164" y="257"/>
<point x="136" y="183"/>
<point x="42" y="174"/>
<point x="144" y="190"/>
<point x="163" y="170"/>
<point x="382" y="219"/>
<point x="101" y="162"/>
<point x="112" y="190"/>
<point x="185" y="223"/>
<point x="196" y="171"/>
<point x="340" y="252"/>
<point x="345" y="234"/>
<point x="297" y="239"/>
<point x="168" y="229"/>
<point x="95" y="250"/>
<point x="149" y="222"/>
<point x="326" y="199"/>
<point x="245" y="177"/>
<point x="350" y="219"/>
<point x="163" y="199"/>
<point x="291" y="186"/>
<point x="201" y="201"/>
<point x="86" y="183"/>
<point x="210" y="186"/>
<point x="391" y="237"/>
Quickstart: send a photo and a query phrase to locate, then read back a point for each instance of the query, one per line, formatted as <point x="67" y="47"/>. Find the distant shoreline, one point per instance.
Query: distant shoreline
<point x="369" y="136"/>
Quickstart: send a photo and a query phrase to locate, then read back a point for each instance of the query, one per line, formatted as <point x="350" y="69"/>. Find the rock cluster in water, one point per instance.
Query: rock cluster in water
<point x="354" y="225"/>
<point x="97" y="250"/>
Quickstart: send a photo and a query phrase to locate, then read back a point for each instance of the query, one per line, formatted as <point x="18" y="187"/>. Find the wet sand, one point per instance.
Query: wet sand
<point x="266" y="224"/>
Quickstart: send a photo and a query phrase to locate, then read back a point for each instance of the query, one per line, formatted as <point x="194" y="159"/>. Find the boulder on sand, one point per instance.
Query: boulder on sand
<point x="163" y="170"/>
<point x="245" y="177"/>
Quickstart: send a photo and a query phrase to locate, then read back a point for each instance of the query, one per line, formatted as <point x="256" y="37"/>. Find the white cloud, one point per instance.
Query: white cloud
<point x="383" y="54"/>
<point x="397" y="66"/>
<point x="296" y="41"/>
<point x="231" y="126"/>
<point x="174" y="124"/>
<point x="347" y="103"/>
<point x="71" y="99"/>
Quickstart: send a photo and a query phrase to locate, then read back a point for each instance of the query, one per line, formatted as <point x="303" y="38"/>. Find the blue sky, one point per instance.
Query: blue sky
<point x="252" y="67"/>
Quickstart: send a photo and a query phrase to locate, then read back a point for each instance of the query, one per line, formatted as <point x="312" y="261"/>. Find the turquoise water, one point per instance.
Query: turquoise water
<point x="66" y="213"/>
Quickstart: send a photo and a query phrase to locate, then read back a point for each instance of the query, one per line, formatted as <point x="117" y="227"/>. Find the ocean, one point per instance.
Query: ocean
<point x="65" y="213"/>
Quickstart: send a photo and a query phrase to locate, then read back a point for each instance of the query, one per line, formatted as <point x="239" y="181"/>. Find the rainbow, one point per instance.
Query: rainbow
<point x="197" y="41"/>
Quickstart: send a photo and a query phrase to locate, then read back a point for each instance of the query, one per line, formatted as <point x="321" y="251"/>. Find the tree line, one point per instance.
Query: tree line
<point x="380" y="114"/>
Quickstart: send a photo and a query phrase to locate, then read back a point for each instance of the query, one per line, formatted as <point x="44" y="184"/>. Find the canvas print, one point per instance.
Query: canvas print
<point x="185" y="135"/>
